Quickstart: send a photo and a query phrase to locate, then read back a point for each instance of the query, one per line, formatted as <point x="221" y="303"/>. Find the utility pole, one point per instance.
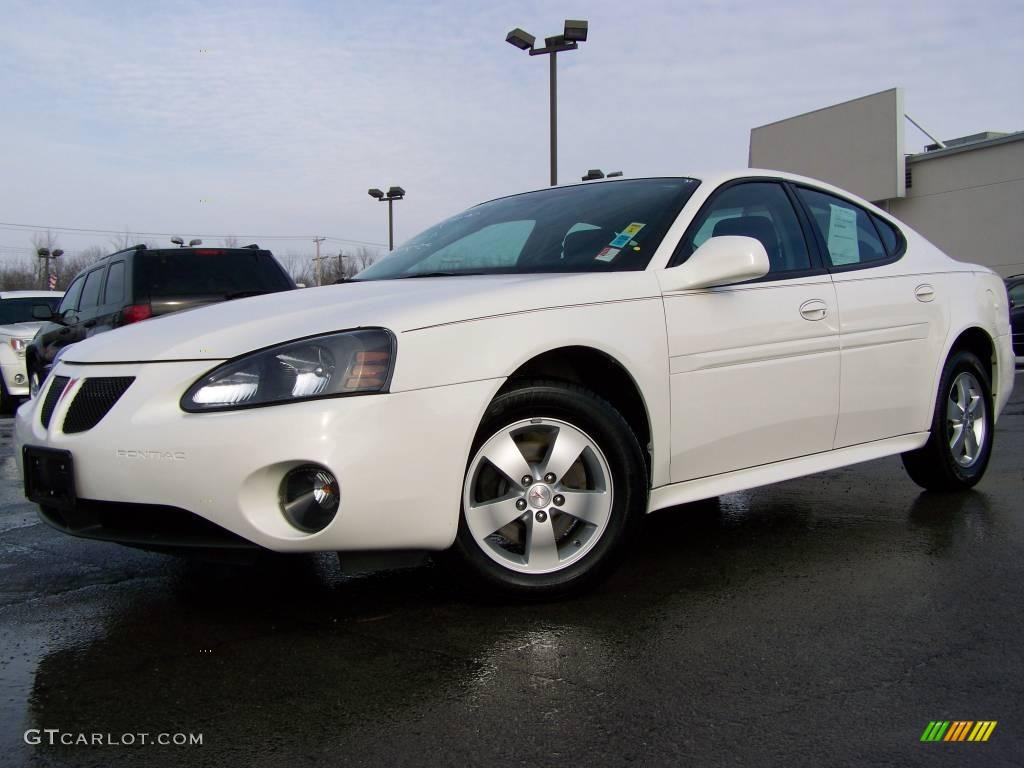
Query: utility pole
<point x="318" y="258"/>
<point x="341" y="265"/>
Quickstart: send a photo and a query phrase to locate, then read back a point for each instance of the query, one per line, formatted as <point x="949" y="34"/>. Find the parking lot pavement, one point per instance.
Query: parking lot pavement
<point x="823" y="621"/>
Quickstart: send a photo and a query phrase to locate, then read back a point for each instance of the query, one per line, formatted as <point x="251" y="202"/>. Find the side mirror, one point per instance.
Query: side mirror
<point x="723" y="260"/>
<point x="41" y="312"/>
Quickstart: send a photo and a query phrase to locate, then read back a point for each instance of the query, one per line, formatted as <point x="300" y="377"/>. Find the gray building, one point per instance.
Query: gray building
<point x="966" y="195"/>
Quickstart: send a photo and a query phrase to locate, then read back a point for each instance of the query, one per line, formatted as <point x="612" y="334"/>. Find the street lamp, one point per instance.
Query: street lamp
<point x="46" y="255"/>
<point x="574" y="33"/>
<point x="393" y="193"/>
<point x="597" y="173"/>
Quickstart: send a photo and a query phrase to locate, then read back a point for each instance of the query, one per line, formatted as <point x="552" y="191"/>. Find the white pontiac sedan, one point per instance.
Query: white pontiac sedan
<point x="522" y="382"/>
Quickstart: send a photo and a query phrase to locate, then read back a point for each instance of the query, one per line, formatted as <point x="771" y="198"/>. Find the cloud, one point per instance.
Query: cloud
<point x="117" y="115"/>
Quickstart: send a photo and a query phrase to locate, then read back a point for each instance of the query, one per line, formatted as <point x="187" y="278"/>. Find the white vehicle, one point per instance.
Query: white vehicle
<point x="568" y="360"/>
<point x="17" y="327"/>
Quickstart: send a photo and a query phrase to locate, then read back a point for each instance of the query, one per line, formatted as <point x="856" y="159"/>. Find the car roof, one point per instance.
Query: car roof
<point x="715" y="178"/>
<point x="29" y="294"/>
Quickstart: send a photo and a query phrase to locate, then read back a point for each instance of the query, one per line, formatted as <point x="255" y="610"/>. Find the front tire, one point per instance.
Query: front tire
<point x="7" y="402"/>
<point x="555" y="487"/>
<point x="963" y="426"/>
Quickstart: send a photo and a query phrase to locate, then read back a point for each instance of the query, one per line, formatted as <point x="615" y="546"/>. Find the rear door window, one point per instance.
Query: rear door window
<point x="114" y="293"/>
<point x="846" y="230"/>
<point x="91" y="291"/>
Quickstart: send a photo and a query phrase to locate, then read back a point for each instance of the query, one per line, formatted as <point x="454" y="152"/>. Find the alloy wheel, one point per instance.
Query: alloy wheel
<point x="538" y="495"/>
<point x="966" y="427"/>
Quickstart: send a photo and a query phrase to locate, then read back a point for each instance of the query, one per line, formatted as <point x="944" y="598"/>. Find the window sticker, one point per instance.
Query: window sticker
<point x="626" y="235"/>
<point x="842" y="235"/>
<point x="607" y="254"/>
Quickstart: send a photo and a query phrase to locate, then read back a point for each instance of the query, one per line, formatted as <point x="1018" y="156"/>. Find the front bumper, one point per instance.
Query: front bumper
<point x="399" y="458"/>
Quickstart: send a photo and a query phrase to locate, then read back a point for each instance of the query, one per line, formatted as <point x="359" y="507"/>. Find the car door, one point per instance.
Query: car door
<point x="891" y="323"/>
<point x="108" y="313"/>
<point x="89" y="306"/>
<point x="754" y="367"/>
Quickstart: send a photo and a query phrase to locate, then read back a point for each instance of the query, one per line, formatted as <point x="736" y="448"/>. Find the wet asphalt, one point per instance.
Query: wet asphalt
<point x="822" y="621"/>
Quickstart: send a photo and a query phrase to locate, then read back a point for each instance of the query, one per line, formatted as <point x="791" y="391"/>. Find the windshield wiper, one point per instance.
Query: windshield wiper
<point x="437" y="274"/>
<point x="243" y="294"/>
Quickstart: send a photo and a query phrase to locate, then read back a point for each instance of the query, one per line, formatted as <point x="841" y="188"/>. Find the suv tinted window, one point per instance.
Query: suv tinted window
<point x="91" y="291"/>
<point x="206" y="272"/>
<point x="70" y="300"/>
<point x="114" y="293"/>
<point x="849" y="236"/>
<point x="760" y="210"/>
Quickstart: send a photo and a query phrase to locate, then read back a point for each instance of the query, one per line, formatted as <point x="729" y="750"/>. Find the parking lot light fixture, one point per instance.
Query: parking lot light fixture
<point x="592" y="174"/>
<point x="575" y="30"/>
<point x="393" y="194"/>
<point x="520" y="39"/>
<point x="574" y="33"/>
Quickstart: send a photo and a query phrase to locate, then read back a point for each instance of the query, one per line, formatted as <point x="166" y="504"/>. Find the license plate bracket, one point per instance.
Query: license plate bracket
<point x="49" y="477"/>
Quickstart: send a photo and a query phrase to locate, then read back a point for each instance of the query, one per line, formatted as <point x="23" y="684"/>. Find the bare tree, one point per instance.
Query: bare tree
<point x="350" y="262"/>
<point x="230" y="242"/>
<point x="20" y="275"/>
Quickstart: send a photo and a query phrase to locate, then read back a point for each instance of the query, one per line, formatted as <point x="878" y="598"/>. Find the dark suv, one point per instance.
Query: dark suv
<point x="138" y="283"/>
<point x="1015" y="290"/>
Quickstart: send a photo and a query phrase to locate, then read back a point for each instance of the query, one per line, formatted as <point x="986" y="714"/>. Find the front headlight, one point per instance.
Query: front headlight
<point x="347" y="363"/>
<point x="18" y="345"/>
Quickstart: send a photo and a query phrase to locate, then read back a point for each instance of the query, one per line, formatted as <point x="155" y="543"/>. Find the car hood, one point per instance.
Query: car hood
<point x="20" y="330"/>
<point x="233" y="328"/>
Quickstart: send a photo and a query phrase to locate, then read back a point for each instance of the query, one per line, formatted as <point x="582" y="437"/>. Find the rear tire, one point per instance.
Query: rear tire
<point x="570" y="490"/>
<point x="963" y="426"/>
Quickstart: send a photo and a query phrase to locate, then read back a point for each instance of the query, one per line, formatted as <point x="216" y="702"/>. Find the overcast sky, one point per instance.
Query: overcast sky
<point x="115" y="116"/>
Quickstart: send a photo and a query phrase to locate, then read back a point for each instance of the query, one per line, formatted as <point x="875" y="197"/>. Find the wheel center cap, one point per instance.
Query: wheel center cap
<point x="539" y="496"/>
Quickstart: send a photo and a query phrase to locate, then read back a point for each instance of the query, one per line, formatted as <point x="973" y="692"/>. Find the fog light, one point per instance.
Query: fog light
<point x="310" y="497"/>
<point x="19" y="378"/>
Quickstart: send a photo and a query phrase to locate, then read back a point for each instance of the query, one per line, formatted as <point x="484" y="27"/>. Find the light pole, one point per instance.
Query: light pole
<point x="51" y="278"/>
<point x="574" y="33"/>
<point x="394" y="193"/>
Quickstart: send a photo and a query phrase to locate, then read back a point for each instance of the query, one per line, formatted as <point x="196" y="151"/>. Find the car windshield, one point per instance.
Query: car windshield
<point x="208" y="272"/>
<point x="608" y="227"/>
<point x="20" y="310"/>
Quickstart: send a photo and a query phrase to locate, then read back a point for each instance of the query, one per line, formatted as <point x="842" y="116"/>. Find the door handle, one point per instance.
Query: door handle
<point x="924" y="292"/>
<point x="814" y="309"/>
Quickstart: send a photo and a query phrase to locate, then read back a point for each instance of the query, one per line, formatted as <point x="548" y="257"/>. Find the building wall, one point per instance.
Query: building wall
<point x="856" y="145"/>
<point x="970" y="203"/>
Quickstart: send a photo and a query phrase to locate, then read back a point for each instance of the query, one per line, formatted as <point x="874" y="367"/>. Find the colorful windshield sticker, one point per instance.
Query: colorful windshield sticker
<point x="607" y="254"/>
<point x="626" y="235"/>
